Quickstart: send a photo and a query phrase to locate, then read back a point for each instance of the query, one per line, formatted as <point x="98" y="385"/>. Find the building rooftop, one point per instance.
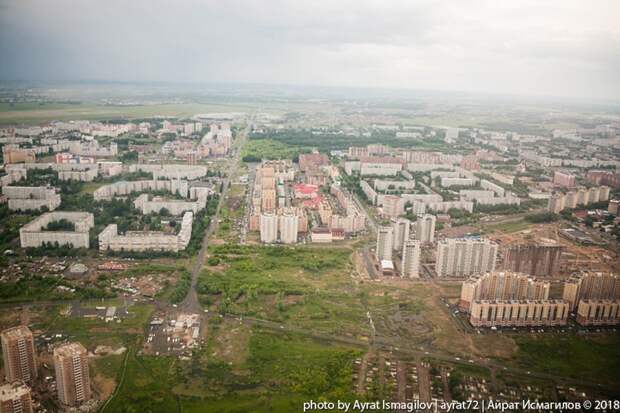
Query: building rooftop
<point x="69" y="349"/>
<point x="17" y="332"/>
<point x="10" y="391"/>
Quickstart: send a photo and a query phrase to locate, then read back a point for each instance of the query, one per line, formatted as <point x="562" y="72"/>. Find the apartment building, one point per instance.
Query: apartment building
<point x="503" y="286"/>
<point x="598" y="312"/>
<point x="425" y="228"/>
<point x="25" y="198"/>
<point x="34" y="234"/>
<point x="19" y="355"/>
<point x="400" y="230"/>
<point x="539" y="259"/>
<point x="385" y="238"/>
<point x="268" y="227"/>
<point x="591" y="286"/>
<point x="519" y="313"/>
<point x="72" y="374"/>
<point x="411" y="259"/>
<point x="15" y="398"/>
<point x="564" y="179"/>
<point x="464" y="257"/>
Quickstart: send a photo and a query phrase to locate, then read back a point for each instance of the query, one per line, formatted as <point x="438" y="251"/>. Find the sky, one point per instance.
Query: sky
<point x="561" y="48"/>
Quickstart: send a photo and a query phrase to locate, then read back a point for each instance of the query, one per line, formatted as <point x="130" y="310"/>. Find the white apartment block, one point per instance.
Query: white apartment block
<point x="385" y="237"/>
<point x="289" y="226"/>
<point x="34" y="235"/>
<point x="26" y="198"/>
<point x="499" y="191"/>
<point x="124" y="188"/>
<point x="411" y="259"/>
<point x="445" y="206"/>
<point x="400" y="230"/>
<point x="171" y="171"/>
<point x="109" y="239"/>
<point x="425" y="228"/>
<point x="449" y="182"/>
<point x="268" y="227"/>
<point x="464" y="257"/>
<point x="174" y="206"/>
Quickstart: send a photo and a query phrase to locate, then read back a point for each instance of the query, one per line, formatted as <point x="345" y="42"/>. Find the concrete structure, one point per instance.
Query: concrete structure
<point x="519" y="313"/>
<point x="173" y="206"/>
<point x="581" y="196"/>
<point x="499" y="191"/>
<point x="400" y="230"/>
<point x="598" y="312"/>
<point x="393" y="206"/>
<point x="385" y="237"/>
<point x="425" y="228"/>
<point x="448" y="205"/>
<point x="448" y="182"/>
<point x="268" y="227"/>
<point x="19" y="354"/>
<point x="171" y="171"/>
<point x="289" y="225"/>
<point x="72" y="374"/>
<point x="411" y="259"/>
<point x="564" y="179"/>
<point x="25" y="198"/>
<point x="502" y="285"/>
<point x="540" y="259"/>
<point x="140" y="241"/>
<point x="15" y="398"/>
<point x="464" y="257"/>
<point x="124" y="188"/>
<point x="591" y="286"/>
<point x="15" y="155"/>
<point x="92" y="148"/>
<point x="377" y="165"/>
<point x="34" y="235"/>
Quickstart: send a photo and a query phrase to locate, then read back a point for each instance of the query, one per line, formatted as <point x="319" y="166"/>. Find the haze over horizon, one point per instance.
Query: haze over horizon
<point x="554" y="48"/>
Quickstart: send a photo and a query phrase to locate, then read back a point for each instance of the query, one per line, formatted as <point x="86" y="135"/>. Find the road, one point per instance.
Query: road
<point x="191" y="304"/>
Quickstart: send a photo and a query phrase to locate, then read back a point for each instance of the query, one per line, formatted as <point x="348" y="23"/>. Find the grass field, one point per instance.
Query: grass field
<point x="30" y="113"/>
<point x="508" y="227"/>
<point x="591" y="358"/>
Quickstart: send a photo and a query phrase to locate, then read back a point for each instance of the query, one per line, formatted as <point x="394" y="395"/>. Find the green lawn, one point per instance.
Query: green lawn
<point x="591" y="358"/>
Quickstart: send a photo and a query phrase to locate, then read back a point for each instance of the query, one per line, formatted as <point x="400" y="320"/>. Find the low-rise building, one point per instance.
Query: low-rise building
<point x="34" y="234"/>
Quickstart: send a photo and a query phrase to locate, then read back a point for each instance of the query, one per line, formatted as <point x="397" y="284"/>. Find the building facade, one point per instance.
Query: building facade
<point x="464" y="257"/>
<point x="19" y="355"/>
<point x="72" y="374"/>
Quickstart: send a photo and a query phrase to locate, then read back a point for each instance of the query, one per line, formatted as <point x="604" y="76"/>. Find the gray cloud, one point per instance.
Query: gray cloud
<point x="556" y="47"/>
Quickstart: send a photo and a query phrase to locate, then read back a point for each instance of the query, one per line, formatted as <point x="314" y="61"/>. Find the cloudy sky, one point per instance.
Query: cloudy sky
<point x="557" y="48"/>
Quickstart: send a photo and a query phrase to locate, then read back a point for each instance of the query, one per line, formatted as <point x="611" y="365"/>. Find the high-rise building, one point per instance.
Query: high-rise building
<point x="15" y="398"/>
<point x="519" y="313"/>
<point x="392" y="206"/>
<point x="19" y="354"/>
<point x="502" y="285"/>
<point x="72" y="374"/>
<point x="425" y="228"/>
<point x="598" y="312"/>
<point x="411" y="259"/>
<point x="268" y="227"/>
<point x="289" y="226"/>
<point x="591" y="286"/>
<point x="400" y="230"/>
<point x="465" y="256"/>
<point x="564" y="179"/>
<point x="540" y="259"/>
<point x="385" y="238"/>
